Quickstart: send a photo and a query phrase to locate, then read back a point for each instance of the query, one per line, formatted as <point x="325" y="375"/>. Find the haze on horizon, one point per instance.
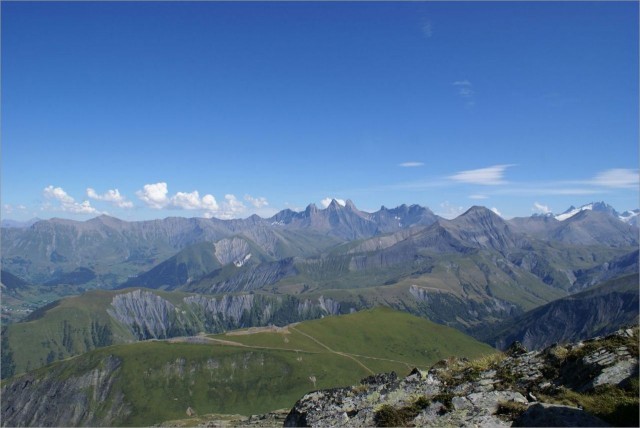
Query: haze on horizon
<point x="208" y="109"/>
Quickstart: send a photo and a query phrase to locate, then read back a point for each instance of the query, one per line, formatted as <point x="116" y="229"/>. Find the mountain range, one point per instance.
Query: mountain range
<point x="470" y="272"/>
<point x="115" y="250"/>
<point x="478" y="263"/>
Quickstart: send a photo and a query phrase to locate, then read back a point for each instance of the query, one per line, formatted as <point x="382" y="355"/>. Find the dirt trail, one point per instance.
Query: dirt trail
<point x="332" y="351"/>
<point x="204" y="339"/>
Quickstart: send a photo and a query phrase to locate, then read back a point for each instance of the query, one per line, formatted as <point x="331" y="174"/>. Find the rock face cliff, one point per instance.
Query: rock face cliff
<point x="150" y="316"/>
<point x="519" y="388"/>
<point x="73" y="405"/>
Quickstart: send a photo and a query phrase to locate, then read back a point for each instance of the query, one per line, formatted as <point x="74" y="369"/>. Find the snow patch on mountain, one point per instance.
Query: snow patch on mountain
<point x="573" y="211"/>
<point x="627" y="216"/>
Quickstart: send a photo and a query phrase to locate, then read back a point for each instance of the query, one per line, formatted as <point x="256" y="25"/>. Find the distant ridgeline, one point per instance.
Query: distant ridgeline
<point x="475" y="273"/>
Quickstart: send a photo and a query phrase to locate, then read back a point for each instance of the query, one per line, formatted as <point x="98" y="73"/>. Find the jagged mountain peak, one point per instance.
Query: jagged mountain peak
<point x="350" y="205"/>
<point x="592" y="206"/>
<point x="311" y="208"/>
<point x="335" y="205"/>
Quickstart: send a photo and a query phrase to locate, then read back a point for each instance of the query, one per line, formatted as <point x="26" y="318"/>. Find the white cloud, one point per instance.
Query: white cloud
<point x="327" y="201"/>
<point x="231" y="208"/>
<point x="259" y="202"/>
<point x="157" y="196"/>
<point x="465" y="88"/>
<point x="112" y="196"/>
<point x="11" y="209"/>
<point x="58" y="194"/>
<point x="618" y="178"/>
<point x="209" y="203"/>
<point x="478" y="197"/>
<point x="490" y="176"/>
<point x="447" y="210"/>
<point x="410" y="164"/>
<point x="154" y="195"/>
<point x="427" y="29"/>
<point x="66" y="202"/>
<point x="540" y="208"/>
<point x="186" y="201"/>
<point x="465" y="91"/>
<point x="495" y="210"/>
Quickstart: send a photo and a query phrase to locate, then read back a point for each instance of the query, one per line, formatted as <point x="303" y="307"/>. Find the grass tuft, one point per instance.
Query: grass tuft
<point x="510" y="410"/>
<point x="618" y="406"/>
<point x="389" y="416"/>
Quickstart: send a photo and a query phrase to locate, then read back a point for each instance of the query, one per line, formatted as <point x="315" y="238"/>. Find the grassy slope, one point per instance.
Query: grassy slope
<point x="161" y="379"/>
<point x="46" y="332"/>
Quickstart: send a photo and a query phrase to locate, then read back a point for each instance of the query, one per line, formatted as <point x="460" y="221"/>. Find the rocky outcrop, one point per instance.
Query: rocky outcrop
<point x="227" y="307"/>
<point x="231" y="250"/>
<point x="79" y="400"/>
<point x="245" y="277"/>
<point x="519" y="387"/>
<point x="148" y="315"/>
<point x="326" y="305"/>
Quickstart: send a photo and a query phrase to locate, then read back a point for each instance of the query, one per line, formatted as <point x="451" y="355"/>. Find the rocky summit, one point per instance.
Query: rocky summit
<point x="590" y="383"/>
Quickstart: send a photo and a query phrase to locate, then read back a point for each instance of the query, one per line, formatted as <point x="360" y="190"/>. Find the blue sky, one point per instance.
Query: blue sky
<point x="155" y="109"/>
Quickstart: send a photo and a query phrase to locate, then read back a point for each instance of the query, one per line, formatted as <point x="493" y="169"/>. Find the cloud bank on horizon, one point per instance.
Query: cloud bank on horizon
<point x="156" y="196"/>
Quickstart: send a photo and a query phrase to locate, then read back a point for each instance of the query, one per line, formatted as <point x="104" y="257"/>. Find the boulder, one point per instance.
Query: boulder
<point x="555" y="415"/>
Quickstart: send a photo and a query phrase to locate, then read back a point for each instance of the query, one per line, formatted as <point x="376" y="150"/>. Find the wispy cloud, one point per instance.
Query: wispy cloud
<point x="617" y="178"/>
<point x="465" y="91"/>
<point x="66" y="203"/>
<point x="259" y="202"/>
<point x="496" y="211"/>
<point x="478" y="197"/>
<point x="410" y="164"/>
<point x="11" y="209"/>
<point x="112" y="196"/>
<point x="540" y="208"/>
<point x="427" y="29"/>
<point x="559" y="188"/>
<point x="602" y="182"/>
<point x="489" y="176"/>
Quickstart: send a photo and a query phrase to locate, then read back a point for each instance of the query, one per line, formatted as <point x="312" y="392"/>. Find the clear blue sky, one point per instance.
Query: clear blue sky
<point x="522" y="107"/>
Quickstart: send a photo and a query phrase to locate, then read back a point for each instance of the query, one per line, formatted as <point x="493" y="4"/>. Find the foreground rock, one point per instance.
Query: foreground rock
<point x="591" y="383"/>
